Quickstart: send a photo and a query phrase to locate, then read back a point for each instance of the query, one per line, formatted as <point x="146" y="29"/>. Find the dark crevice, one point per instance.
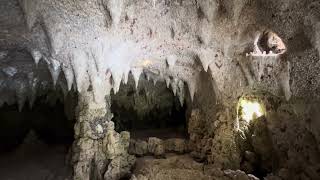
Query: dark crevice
<point x="48" y="122"/>
<point x="36" y="141"/>
<point x="163" y="117"/>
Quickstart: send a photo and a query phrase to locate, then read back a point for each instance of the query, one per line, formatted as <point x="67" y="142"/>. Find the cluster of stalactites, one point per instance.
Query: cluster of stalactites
<point x="267" y="44"/>
<point x="24" y="93"/>
<point x="103" y="69"/>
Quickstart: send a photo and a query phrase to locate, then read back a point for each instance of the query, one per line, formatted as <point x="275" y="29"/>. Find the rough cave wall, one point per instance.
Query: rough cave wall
<point x="279" y="145"/>
<point x="97" y="43"/>
<point x="211" y="127"/>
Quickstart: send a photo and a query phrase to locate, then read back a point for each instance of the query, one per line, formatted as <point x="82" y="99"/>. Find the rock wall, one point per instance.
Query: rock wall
<point x="99" y="152"/>
<point x="280" y="143"/>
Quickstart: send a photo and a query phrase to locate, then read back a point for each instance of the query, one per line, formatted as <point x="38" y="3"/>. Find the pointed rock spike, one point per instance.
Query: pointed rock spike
<point x="36" y="56"/>
<point x="192" y="89"/>
<point x="54" y="68"/>
<point x="136" y="72"/>
<point x="167" y="82"/>
<point x="125" y="77"/>
<point x="154" y="81"/>
<point x="31" y="101"/>
<point x="79" y="65"/>
<point x="171" y="61"/>
<point x="116" y="77"/>
<point x="174" y="86"/>
<point x="21" y="95"/>
<point x="181" y="92"/>
<point x="68" y="73"/>
<point x="205" y="64"/>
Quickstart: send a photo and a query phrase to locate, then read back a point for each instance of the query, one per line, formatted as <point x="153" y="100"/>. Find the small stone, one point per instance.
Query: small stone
<point x="133" y="177"/>
<point x="175" y="145"/>
<point x="252" y="177"/>
<point x="155" y="146"/>
<point x="125" y="139"/>
<point x="99" y="128"/>
<point x="110" y="125"/>
<point x="238" y="175"/>
<point x="120" y="167"/>
<point x="139" y="177"/>
<point x="116" y="144"/>
<point x="216" y="124"/>
<point x="138" y="147"/>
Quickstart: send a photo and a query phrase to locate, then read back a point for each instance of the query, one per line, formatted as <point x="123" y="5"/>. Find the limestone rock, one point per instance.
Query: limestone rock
<point x="156" y="146"/>
<point x="182" y="167"/>
<point x="194" y="125"/>
<point x="120" y="167"/>
<point x="115" y="144"/>
<point x="139" y="177"/>
<point x="176" y="145"/>
<point x="138" y="147"/>
<point x="173" y="167"/>
<point x="211" y="170"/>
<point x="239" y="175"/>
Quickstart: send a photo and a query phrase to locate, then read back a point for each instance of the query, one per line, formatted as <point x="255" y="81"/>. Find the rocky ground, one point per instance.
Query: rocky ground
<point x="35" y="160"/>
<point x="182" y="167"/>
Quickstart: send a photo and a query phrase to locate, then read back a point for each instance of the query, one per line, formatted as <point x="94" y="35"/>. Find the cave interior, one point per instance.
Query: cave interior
<point x="159" y="89"/>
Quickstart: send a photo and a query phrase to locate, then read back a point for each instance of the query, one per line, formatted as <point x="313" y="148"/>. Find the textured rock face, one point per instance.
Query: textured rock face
<point x="281" y="141"/>
<point x="183" y="167"/>
<point x="120" y="167"/>
<point x="102" y="41"/>
<point x="99" y="152"/>
<point x="157" y="147"/>
<point x="208" y="52"/>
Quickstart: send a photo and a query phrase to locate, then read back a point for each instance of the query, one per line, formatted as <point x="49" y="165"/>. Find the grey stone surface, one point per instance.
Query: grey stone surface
<point x="120" y="167"/>
<point x="138" y="147"/>
<point x="156" y="146"/>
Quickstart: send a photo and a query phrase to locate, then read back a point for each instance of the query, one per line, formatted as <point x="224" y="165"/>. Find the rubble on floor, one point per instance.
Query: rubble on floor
<point x="182" y="167"/>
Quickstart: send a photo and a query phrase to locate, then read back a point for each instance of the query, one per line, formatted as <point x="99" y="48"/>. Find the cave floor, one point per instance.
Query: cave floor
<point x="173" y="166"/>
<point x="165" y="133"/>
<point x="37" y="161"/>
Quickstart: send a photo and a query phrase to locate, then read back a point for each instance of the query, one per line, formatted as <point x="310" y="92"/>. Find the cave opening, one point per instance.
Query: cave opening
<point x="150" y="110"/>
<point x="37" y="141"/>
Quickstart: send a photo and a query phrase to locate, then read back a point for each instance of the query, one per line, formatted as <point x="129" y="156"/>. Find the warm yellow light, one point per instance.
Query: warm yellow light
<point x="146" y="62"/>
<point x="250" y="110"/>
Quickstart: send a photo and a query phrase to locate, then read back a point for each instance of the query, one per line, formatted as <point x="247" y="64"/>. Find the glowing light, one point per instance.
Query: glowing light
<point x="146" y="62"/>
<point x="250" y="110"/>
